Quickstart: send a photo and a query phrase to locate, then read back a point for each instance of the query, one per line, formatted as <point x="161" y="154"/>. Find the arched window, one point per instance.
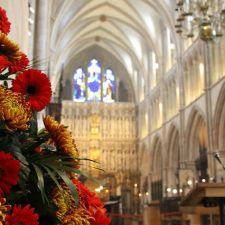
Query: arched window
<point x="94" y="85"/>
<point x="108" y="86"/>
<point x="94" y="81"/>
<point x="79" y="86"/>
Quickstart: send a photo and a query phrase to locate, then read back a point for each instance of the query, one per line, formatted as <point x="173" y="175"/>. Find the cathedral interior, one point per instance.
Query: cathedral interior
<point x="141" y="86"/>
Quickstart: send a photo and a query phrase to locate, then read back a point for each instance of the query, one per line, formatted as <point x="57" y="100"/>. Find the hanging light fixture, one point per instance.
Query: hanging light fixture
<point x="205" y="18"/>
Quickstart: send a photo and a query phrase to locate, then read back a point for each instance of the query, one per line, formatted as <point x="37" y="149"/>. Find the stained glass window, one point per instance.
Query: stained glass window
<point x="94" y="81"/>
<point x="108" y="86"/>
<point x="79" y="94"/>
<point x="94" y="85"/>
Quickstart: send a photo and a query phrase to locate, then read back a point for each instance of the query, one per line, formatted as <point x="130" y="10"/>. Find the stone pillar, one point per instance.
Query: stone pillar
<point x="208" y="102"/>
<point x="41" y="38"/>
<point x="41" y="42"/>
<point x="182" y="139"/>
<point x="162" y="100"/>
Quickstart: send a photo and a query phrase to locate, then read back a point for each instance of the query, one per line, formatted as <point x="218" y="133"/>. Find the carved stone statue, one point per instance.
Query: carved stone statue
<point x="201" y="164"/>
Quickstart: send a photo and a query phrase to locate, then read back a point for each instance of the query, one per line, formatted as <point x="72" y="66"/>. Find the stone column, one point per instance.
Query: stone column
<point x="41" y="38"/>
<point x="208" y="102"/>
<point x="162" y="100"/>
<point x="182" y="139"/>
<point x="41" y="42"/>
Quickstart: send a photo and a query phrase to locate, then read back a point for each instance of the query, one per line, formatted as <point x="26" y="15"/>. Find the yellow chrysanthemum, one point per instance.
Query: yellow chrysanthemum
<point x="14" y="111"/>
<point x="78" y="217"/>
<point x="68" y="213"/>
<point x="61" y="137"/>
<point x="9" y="48"/>
<point x="64" y="201"/>
<point x="3" y="210"/>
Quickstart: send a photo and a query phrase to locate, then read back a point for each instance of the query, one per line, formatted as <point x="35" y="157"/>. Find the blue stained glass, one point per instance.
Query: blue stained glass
<point x="94" y="86"/>
<point x="108" y="86"/>
<point x="94" y="81"/>
<point x="79" y="94"/>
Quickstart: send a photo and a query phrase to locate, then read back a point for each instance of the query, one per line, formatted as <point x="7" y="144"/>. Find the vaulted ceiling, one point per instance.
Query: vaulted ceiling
<point x="128" y="29"/>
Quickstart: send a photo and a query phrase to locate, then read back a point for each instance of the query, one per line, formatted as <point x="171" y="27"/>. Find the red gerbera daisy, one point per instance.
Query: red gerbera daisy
<point x="100" y="218"/>
<point x="91" y="202"/>
<point x="4" y="62"/>
<point x="19" y="65"/>
<point x="25" y="216"/>
<point x="9" y="172"/>
<point x="36" y="86"/>
<point x="4" y="22"/>
<point x="87" y="198"/>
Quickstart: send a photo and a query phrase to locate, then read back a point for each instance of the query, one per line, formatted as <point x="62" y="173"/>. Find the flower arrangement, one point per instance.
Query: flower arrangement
<point x="38" y="168"/>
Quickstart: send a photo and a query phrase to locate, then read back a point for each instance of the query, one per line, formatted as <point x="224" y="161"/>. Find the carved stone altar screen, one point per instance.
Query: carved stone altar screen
<point x="105" y="133"/>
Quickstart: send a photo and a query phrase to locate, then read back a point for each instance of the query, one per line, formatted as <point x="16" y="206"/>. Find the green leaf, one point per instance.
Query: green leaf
<point x="37" y="141"/>
<point x="69" y="169"/>
<point x="69" y="184"/>
<point x="53" y="177"/>
<point x="48" y="147"/>
<point x="24" y="175"/>
<point x="58" y="163"/>
<point x="69" y="163"/>
<point x="5" y="83"/>
<point x="21" y="158"/>
<point x="48" y="158"/>
<point x="33" y="124"/>
<point x="40" y="183"/>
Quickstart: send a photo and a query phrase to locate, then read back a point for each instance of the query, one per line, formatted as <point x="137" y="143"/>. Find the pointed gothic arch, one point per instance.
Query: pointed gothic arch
<point x="144" y="159"/>
<point x="157" y="160"/>
<point x="219" y="121"/>
<point x="172" y="145"/>
<point x="173" y="155"/>
<point x="157" y="165"/>
<point x="196" y="133"/>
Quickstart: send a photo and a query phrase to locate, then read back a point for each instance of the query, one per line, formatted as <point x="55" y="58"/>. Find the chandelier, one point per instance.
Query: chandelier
<point x="205" y="18"/>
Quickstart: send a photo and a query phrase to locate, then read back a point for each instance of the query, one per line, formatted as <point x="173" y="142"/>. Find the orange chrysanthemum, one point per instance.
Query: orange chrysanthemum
<point x="61" y="137"/>
<point x="15" y="113"/>
<point x="36" y="86"/>
<point x="3" y="210"/>
<point x="89" y="212"/>
<point x="68" y="212"/>
<point x="4" y="22"/>
<point x="25" y="216"/>
<point x="9" y="48"/>
<point x="78" y="217"/>
<point x="64" y="201"/>
<point x="9" y="172"/>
